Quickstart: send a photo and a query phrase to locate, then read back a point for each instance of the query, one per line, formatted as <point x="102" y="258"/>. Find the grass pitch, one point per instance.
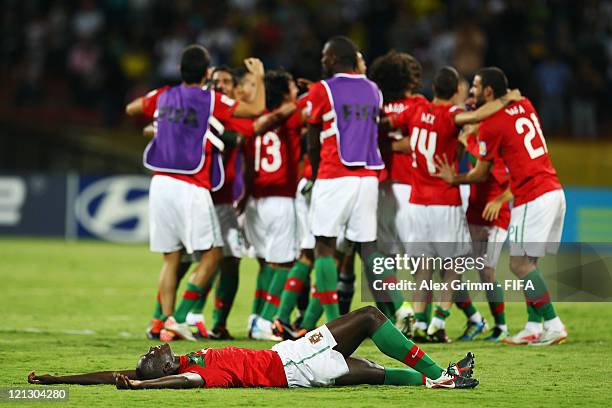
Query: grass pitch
<point x="79" y="307"/>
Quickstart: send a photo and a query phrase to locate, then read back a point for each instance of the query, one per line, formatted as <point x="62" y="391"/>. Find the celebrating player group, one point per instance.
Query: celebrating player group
<point x="356" y="164"/>
<point x="306" y="175"/>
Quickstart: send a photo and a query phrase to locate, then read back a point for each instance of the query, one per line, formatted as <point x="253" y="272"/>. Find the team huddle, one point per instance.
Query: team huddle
<point x="304" y="176"/>
<point x="356" y="164"/>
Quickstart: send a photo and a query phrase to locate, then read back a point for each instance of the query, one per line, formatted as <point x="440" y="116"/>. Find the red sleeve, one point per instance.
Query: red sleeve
<point x="472" y="145"/>
<point x="317" y="103"/>
<point x="149" y="101"/>
<point x="454" y="111"/>
<point x="488" y="142"/>
<point x="402" y="120"/>
<point x="224" y="107"/>
<point x="244" y="126"/>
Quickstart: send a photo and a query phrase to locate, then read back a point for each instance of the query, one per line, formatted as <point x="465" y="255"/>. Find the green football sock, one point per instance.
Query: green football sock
<point x="224" y="297"/>
<point x="394" y="344"/>
<point x="496" y="305"/>
<point x="428" y="310"/>
<point x="539" y="296"/>
<point x="312" y="314"/>
<point x="190" y="296"/>
<point x="420" y="317"/>
<point x="403" y="376"/>
<point x="275" y="290"/>
<point x="387" y="276"/>
<point x="294" y="285"/>
<point x="198" y="306"/>
<point x="326" y="282"/>
<point x="465" y="303"/>
<point x="264" y="276"/>
<point x="441" y="313"/>
<point x="157" y="312"/>
<point x="183" y="268"/>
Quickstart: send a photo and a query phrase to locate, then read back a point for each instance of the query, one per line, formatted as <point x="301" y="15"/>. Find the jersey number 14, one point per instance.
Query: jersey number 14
<point x="425" y="143"/>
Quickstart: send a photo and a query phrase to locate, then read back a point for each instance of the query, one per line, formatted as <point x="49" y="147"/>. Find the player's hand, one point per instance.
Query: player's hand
<point x="122" y="382"/>
<point x="491" y="210"/>
<point x="514" y="95"/>
<point x="307" y="190"/>
<point x="255" y="66"/>
<point x="445" y="170"/>
<point x="303" y="83"/>
<point x="40" y="379"/>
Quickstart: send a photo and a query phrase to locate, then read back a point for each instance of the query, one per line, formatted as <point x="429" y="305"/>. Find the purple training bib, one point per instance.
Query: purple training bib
<point x="356" y="103"/>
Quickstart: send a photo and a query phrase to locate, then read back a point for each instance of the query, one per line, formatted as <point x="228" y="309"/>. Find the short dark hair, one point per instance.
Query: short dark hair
<point x="228" y="69"/>
<point x="446" y="83"/>
<point x="495" y="78"/>
<point x="194" y="63"/>
<point x="395" y="73"/>
<point x="277" y="86"/>
<point x="344" y="49"/>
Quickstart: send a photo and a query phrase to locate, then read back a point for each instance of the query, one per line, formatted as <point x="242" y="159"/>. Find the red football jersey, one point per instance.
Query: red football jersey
<point x="276" y="158"/>
<point x="515" y="135"/>
<point x="224" y="107"/>
<point x="482" y="193"/>
<point x="432" y="133"/>
<point x="398" y="165"/>
<point x="234" y="367"/>
<point x="330" y="165"/>
<point x="225" y="195"/>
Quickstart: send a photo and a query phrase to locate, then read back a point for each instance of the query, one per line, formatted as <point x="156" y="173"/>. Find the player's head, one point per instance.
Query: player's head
<point x="362" y="68"/>
<point x="396" y="74"/>
<point x="339" y="55"/>
<point x="280" y="88"/>
<point x="246" y="85"/>
<point x="223" y="80"/>
<point x="158" y="362"/>
<point x="194" y="64"/>
<point x="446" y="83"/>
<point x="489" y="83"/>
<point x="462" y="94"/>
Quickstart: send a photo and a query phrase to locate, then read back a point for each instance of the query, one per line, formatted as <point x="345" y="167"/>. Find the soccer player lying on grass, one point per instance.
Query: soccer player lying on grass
<point x="322" y="358"/>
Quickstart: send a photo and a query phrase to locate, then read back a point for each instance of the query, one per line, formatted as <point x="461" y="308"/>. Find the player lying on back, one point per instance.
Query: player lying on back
<point x="322" y="358"/>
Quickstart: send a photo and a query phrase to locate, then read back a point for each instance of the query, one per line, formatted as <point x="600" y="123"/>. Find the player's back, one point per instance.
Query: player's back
<point x="276" y="157"/>
<point x="433" y="133"/>
<point x="515" y="134"/>
<point x="398" y="165"/>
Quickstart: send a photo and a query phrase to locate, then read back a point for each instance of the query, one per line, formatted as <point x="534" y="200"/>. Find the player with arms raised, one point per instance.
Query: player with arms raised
<point x="515" y="135"/>
<point x="184" y="173"/>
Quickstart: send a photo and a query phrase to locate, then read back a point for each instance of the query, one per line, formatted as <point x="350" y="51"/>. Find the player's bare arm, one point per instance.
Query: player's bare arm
<point x="134" y="108"/>
<point x="488" y="108"/>
<point x="273" y="119"/>
<point x="491" y="210"/>
<point x="402" y="145"/>
<point x="149" y="130"/>
<point x="258" y="105"/>
<point x="446" y="171"/>
<point x="178" y="381"/>
<point x="100" y="377"/>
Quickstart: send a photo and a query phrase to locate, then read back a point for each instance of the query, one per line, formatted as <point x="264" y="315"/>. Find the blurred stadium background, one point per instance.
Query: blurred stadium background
<point x="70" y="160"/>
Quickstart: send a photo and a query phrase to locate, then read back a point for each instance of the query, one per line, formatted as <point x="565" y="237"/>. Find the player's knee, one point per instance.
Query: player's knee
<point x="521" y="265"/>
<point x="373" y="315"/>
<point x="487" y="274"/>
